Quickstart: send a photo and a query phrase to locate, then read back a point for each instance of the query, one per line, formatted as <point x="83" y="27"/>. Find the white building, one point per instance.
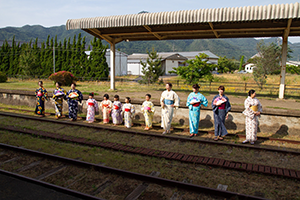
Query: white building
<point x="120" y="62"/>
<point x="169" y="60"/>
<point x="249" y="67"/>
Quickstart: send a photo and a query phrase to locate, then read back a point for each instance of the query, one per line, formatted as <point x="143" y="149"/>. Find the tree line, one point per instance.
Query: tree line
<point x="36" y="59"/>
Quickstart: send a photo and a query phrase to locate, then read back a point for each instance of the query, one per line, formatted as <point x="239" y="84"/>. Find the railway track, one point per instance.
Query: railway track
<point x="146" y="133"/>
<point x="46" y="169"/>
<point x="185" y="129"/>
<point x="188" y="158"/>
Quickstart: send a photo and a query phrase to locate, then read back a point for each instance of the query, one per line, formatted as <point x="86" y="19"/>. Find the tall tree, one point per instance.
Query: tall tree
<point x="98" y="66"/>
<point x="152" y="67"/>
<point x="226" y="65"/>
<point x="267" y="62"/>
<point x="197" y="69"/>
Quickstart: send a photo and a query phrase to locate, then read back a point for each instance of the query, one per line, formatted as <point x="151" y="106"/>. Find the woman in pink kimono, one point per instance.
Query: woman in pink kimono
<point x="129" y="111"/>
<point x="116" y="113"/>
<point x="106" y="106"/>
<point x="252" y="111"/>
<point x="92" y="106"/>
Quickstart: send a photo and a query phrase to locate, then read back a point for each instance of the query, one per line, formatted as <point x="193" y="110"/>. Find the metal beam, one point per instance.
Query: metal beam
<point x="155" y="34"/>
<point x="283" y="59"/>
<point x="212" y="28"/>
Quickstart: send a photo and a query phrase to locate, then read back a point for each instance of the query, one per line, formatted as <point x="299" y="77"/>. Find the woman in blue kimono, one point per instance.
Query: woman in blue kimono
<point x="221" y="107"/>
<point x="73" y="97"/>
<point x="41" y="95"/>
<point x="194" y="102"/>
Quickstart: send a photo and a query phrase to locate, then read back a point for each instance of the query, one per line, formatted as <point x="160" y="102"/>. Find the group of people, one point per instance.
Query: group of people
<point x="169" y="101"/>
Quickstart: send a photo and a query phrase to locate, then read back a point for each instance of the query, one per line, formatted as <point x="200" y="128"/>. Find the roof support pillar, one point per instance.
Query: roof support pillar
<point x="284" y="59"/>
<point x="112" y="65"/>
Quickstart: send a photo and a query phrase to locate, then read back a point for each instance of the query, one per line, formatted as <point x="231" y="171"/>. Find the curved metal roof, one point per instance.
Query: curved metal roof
<point x="187" y="24"/>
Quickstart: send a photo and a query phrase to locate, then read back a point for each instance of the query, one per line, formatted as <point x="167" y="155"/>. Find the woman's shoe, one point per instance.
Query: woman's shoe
<point x="246" y="141"/>
<point x="216" y="138"/>
<point x="191" y="135"/>
<point x="220" y="138"/>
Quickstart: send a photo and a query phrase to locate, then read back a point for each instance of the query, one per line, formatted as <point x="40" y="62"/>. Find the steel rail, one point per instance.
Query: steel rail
<point x="50" y="186"/>
<point x="216" y="162"/>
<point x="143" y="133"/>
<point x="133" y="175"/>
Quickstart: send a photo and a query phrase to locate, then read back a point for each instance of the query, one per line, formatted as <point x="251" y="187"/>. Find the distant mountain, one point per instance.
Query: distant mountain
<point x="231" y="48"/>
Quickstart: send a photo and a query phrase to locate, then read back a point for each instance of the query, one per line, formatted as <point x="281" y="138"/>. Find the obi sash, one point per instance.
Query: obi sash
<point x="222" y="106"/>
<point x="254" y="108"/>
<point x="39" y="94"/>
<point x="105" y="105"/>
<point x="147" y="108"/>
<point x="90" y="103"/>
<point x="127" y="110"/>
<point x="168" y="102"/>
<point x="116" y="107"/>
<point x="196" y="104"/>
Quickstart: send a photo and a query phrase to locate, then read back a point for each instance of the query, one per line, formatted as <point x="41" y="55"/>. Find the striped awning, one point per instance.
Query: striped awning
<point x="248" y="21"/>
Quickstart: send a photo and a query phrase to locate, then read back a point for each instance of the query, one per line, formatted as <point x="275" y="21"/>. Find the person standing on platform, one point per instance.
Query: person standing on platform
<point x="116" y="113"/>
<point x="92" y="107"/>
<point x="220" y="106"/>
<point x="252" y="111"/>
<point x="106" y="106"/>
<point x="59" y="95"/>
<point x="74" y="96"/>
<point x="194" y="102"/>
<point x="148" y="111"/>
<point x="168" y="100"/>
<point x="128" y="110"/>
<point x="41" y="95"/>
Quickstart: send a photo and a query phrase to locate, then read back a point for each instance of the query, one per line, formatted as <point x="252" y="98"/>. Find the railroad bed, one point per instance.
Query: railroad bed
<point x="48" y="170"/>
<point x="286" y="172"/>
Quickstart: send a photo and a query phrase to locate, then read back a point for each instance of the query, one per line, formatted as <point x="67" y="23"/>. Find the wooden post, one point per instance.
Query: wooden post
<point x="112" y="65"/>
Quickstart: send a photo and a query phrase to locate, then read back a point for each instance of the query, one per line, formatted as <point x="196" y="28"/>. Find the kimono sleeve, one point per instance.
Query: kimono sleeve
<point x="96" y="105"/>
<point x="259" y="106"/>
<point x="228" y="105"/>
<point x="132" y="110"/>
<point x="152" y="107"/>
<point x="176" y="100"/>
<point x="80" y="96"/>
<point x="204" y="101"/>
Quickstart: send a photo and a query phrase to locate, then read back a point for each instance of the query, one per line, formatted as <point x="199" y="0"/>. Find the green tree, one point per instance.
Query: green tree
<point x="197" y="69"/>
<point x="151" y="68"/>
<point x="4" y="57"/>
<point x="98" y="66"/>
<point x="267" y="62"/>
<point x="226" y="65"/>
<point x="28" y="61"/>
<point x="241" y="63"/>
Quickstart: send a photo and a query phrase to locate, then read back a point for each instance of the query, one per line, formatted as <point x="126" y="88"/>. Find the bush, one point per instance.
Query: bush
<point x="3" y="77"/>
<point x="64" y="77"/>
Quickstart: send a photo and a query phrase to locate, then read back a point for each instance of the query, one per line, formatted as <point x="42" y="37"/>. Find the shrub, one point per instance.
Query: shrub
<point x="64" y="77"/>
<point x="3" y="77"/>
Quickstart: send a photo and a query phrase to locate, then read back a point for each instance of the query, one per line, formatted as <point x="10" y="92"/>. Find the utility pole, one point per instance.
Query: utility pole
<point x="53" y="58"/>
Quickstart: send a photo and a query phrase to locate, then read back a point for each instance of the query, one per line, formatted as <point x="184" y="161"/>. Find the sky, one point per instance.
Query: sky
<point x="17" y="13"/>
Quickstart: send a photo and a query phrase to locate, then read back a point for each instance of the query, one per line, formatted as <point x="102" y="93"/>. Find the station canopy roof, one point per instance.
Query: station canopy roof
<point x="238" y="22"/>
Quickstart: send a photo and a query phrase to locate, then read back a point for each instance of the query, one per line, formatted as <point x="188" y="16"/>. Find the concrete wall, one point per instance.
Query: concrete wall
<point x="276" y="121"/>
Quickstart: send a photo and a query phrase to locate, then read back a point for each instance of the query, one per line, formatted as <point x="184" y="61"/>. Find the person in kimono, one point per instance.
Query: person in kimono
<point x="168" y="100"/>
<point x="74" y="96"/>
<point x="92" y="107"/>
<point x="148" y="111"/>
<point x="194" y="102"/>
<point x="41" y="95"/>
<point x="128" y="110"/>
<point x="252" y="111"/>
<point x="58" y="95"/>
<point x="106" y="106"/>
<point x="220" y="106"/>
<point x="116" y="113"/>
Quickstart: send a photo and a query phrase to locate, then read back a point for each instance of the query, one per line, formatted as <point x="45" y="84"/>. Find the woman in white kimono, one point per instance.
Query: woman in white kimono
<point x="106" y="106"/>
<point x="128" y="110"/>
<point x="148" y="111"/>
<point x="168" y="100"/>
<point x="92" y="107"/>
<point x="252" y="111"/>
